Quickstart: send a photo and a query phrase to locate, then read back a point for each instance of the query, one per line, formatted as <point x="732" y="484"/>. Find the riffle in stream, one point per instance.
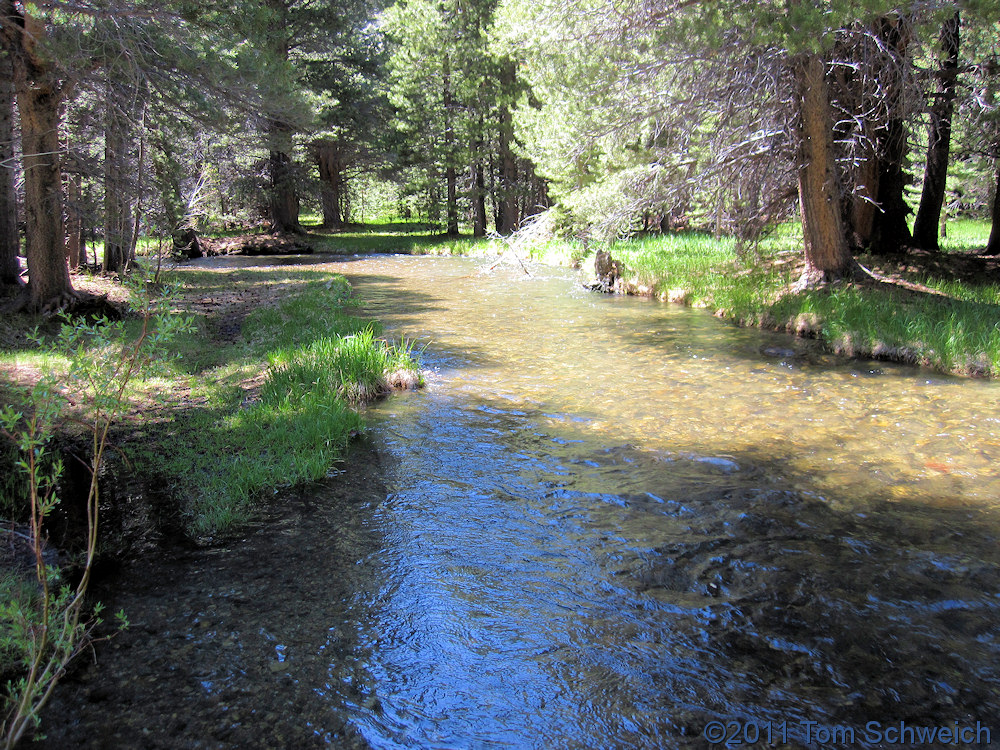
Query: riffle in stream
<point x="604" y="522"/>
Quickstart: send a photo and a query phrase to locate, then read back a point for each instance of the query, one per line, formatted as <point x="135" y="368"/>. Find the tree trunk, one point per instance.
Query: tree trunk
<point x="508" y="162"/>
<point x="479" y="199"/>
<point x="450" y="173"/>
<point x="331" y="183"/>
<point x="346" y="207"/>
<point x="891" y="231"/>
<point x="826" y="253"/>
<point x="861" y="214"/>
<point x="117" y="200"/>
<point x="993" y="246"/>
<point x="74" y="221"/>
<point x="284" y="199"/>
<point x="49" y="285"/>
<point x="925" y="227"/>
<point x="9" y="237"/>
<point x="451" y="179"/>
<point x="139" y="186"/>
<point x="857" y="129"/>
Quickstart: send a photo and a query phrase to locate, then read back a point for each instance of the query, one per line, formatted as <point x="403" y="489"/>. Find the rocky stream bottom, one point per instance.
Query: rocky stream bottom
<point x="770" y="607"/>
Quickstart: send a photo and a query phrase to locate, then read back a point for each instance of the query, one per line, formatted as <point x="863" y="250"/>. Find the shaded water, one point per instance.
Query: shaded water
<point x="604" y="523"/>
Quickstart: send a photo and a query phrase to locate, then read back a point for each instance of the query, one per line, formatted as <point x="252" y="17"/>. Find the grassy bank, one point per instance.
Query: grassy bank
<point x="930" y="310"/>
<point x="280" y="406"/>
<point x="409" y="239"/>
<point x="243" y="382"/>
<point x="264" y="393"/>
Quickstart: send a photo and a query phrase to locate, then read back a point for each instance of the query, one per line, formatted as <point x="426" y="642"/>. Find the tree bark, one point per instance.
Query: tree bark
<point x="826" y="252"/>
<point x="39" y="95"/>
<point x="507" y="199"/>
<point x="450" y="173"/>
<point x="891" y="231"/>
<point x="479" y="199"/>
<point x="49" y="284"/>
<point x="993" y="246"/>
<point x="140" y="171"/>
<point x="74" y="221"/>
<point x="117" y="201"/>
<point x="860" y="186"/>
<point x="331" y="175"/>
<point x="9" y="236"/>
<point x="284" y="199"/>
<point x="862" y="210"/>
<point x="928" y="220"/>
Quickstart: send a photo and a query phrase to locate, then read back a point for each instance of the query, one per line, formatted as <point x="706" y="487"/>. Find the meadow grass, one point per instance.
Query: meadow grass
<point x="965" y="235"/>
<point x="402" y="238"/>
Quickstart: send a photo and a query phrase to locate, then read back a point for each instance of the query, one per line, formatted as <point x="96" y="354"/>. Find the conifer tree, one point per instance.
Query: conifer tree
<point x="9" y="236"/>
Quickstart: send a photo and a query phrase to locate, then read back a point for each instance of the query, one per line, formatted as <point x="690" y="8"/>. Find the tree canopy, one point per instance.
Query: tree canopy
<point x="136" y="118"/>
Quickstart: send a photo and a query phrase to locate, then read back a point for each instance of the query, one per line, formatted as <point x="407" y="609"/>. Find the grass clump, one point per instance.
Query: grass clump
<point x="354" y="368"/>
<point x="944" y="333"/>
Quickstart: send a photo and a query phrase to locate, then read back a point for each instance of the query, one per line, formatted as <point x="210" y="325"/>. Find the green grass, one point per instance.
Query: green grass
<point x="965" y="235"/>
<point x="394" y="237"/>
<point x="318" y="362"/>
<point x="225" y="424"/>
<point x="956" y="331"/>
<point x="403" y="242"/>
<point x="946" y="334"/>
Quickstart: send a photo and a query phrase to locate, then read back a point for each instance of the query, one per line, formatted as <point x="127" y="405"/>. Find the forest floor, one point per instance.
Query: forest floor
<point x="969" y="267"/>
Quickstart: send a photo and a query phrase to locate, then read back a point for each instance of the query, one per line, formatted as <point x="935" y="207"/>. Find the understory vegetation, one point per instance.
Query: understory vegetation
<point x="260" y="396"/>
<point x="908" y="312"/>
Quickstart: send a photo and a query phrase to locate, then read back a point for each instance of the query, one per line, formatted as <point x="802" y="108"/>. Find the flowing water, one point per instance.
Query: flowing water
<point x="605" y="522"/>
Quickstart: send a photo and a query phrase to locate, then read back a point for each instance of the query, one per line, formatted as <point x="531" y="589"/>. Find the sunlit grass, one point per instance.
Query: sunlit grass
<point x="407" y="239"/>
<point x="965" y="235"/>
<point x="312" y="361"/>
<point x="225" y="423"/>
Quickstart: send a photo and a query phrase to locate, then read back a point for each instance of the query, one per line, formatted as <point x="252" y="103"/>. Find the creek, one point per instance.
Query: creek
<point x="605" y="522"/>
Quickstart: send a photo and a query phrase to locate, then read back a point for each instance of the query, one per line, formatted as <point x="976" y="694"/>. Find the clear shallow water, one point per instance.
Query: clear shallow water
<point x="604" y="523"/>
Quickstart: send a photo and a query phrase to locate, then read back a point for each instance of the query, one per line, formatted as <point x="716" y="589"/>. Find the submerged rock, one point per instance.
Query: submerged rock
<point x="778" y="352"/>
<point x="723" y="464"/>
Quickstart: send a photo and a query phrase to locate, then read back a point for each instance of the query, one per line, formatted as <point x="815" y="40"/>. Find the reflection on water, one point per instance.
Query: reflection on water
<point x="606" y="523"/>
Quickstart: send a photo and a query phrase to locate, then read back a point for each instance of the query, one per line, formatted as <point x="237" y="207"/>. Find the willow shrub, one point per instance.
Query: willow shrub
<point x="41" y="634"/>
